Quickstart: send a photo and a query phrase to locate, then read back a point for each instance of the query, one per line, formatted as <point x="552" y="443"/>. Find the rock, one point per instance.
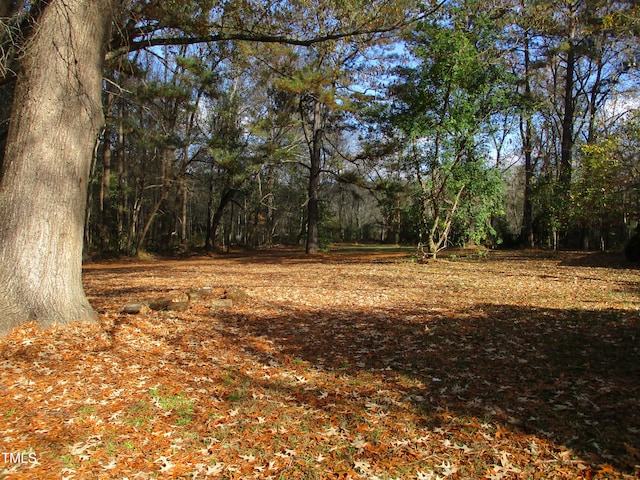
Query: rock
<point x="200" y="293"/>
<point x="178" y="306"/>
<point x="160" y="303"/>
<point x="235" y="294"/>
<point x="178" y="303"/>
<point x="133" y="308"/>
<point x="180" y="297"/>
<point x="221" y="304"/>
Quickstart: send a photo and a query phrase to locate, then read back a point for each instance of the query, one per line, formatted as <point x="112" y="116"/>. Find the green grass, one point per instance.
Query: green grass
<point x="177" y="403"/>
<point x="138" y="414"/>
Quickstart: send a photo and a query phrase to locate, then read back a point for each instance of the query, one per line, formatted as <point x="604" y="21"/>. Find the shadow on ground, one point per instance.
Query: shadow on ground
<point x="569" y="375"/>
<point x="572" y="376"/>
<point x="599" y="260"/>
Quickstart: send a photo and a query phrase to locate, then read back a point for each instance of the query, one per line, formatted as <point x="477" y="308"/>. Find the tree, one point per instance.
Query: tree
<point x="526" y="132"/>
<point x="596" y="201"/>
<point x="571" y="63"/>
<point x="230" y="163"/>
<point x="56" y="117"/>
<point x="628" y="154"/>
<point x="320" y="83"/>
<point x="445" y="103"/>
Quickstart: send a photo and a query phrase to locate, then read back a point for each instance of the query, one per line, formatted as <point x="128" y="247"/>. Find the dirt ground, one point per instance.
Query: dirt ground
<point x="357" y="363"/>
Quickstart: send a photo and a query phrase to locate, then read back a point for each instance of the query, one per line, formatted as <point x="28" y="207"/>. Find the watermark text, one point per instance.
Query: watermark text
<point x="18" y="457"/>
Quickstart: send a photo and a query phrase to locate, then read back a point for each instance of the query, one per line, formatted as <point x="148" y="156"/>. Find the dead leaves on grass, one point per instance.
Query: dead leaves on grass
<point x="339" y="368"/>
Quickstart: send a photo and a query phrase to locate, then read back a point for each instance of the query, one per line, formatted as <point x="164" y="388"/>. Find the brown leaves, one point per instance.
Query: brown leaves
<point x="338" y="366"/>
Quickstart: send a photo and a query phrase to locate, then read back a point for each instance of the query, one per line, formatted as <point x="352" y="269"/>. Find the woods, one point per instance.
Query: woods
<point x="253" y="127"/>
<point x="41" y="244"/>
<point x="442" y="126"/>
<point x="211" y="126"/>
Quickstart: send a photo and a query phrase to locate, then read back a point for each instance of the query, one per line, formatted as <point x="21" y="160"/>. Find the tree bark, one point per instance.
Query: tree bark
<point x="527" y="235"/>
<point x="104" y="203"/>
<point x="566" y="154"/>
<point x="56" y="117"/>
<point x="183" y="214"/>
<point x="121" y="211"/>
<point x="315" y="154"/>
<point x="216" y="218"/>
<point x="526" y="131"/>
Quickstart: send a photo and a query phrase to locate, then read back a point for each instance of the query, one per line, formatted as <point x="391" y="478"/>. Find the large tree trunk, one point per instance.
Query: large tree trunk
<point x="56" y="117"/>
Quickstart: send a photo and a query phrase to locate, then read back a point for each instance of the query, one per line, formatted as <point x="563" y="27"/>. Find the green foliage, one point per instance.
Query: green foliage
<point x="202" y="73"/>
<point x="239" y="116"/>
<point x="444" y="103"/>
<point x="548" y="207"/>
<point x="595" y="198"/>
<point x="460" y="80"/>
<point x="628" y="154"/>
<point x="480" y="204"/>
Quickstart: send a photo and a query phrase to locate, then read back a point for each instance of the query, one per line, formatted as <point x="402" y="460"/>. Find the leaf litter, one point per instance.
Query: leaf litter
<point x="353" y="364"/>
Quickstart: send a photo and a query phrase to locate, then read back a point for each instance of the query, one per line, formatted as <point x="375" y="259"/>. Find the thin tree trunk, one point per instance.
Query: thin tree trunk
<point x="122" y="187"/>
<point x="527" y="220"/>
<point x="55" y="121"/>
<point x="183" y="216"/>
<point x="145" y="230"/>
<point x="437" y="240"/>
<point x="225" y="200"/>
<point x="87" y="213"/>
<point x="105" y="184"/>
<point x="208" y="241"/>
<point x="315" y="154"/>
<point x="135" y="217"/>
<point x="566" y="154"/>
<point x="269" y="198"/>
<point x="527" y="235"/>
<point x="105" y="194"/>
<point x="186" y="161"/>
<point x="593" y="102"/>
<point x="164" y="193"/>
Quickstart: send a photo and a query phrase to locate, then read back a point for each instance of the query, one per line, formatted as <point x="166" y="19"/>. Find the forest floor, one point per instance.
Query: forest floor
<point x="358" y="363"/>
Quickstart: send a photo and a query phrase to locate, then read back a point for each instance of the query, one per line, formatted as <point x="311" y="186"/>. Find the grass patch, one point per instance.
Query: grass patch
<point x="138" y="414"/>
<point x="86" y="410"/>
<point x="69" y="461"/>
<point x="10" y="413"/>
<point x="176" y="403"/>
